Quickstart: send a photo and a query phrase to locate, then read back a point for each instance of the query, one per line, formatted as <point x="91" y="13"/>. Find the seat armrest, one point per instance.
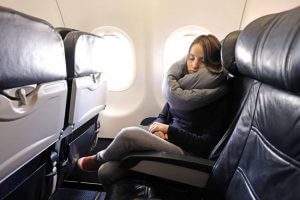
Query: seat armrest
<point x="179" y="168"/>
<point x="147" y="121"/>
<point x="186" y="161"/>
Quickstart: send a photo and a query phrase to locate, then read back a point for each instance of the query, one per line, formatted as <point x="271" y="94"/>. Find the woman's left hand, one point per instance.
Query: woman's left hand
<point x="161" y="135"/>
<point x="159" y="127"/>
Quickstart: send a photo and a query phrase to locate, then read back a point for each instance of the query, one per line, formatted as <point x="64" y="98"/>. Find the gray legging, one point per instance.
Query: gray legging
<point x="129" y="140"/>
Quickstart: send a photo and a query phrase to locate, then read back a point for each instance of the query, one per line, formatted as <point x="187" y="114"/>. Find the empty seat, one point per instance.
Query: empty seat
<point x="33" y="93"/>
<point x="86" y="95"/>
<point x="84" y="71"/>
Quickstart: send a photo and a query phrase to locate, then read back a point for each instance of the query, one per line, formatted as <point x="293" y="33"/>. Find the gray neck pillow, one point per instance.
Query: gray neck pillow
<point x="187" y="92"/>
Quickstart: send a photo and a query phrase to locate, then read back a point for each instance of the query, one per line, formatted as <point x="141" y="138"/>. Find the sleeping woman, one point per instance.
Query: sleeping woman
<point x="195" y="89"/>
<point x="191" y="121"/>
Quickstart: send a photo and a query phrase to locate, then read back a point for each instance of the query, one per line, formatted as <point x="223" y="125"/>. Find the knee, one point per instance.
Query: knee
<point x="128" y="133"/>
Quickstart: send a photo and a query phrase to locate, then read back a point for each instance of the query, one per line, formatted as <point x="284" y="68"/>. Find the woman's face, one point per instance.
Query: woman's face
<point x="195" y="59"/>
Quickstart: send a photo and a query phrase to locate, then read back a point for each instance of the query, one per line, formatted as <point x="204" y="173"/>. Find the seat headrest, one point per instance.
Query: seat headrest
<point x="228" y="52"/>
<point x="83" y="53"/>
<point x="31" y="52"/>
<point x="268" y="50"/>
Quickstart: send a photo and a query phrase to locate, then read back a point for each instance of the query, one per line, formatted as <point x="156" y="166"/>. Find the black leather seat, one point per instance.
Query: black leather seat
<point x="238" y="93"/>
<point x="261" y="159"/>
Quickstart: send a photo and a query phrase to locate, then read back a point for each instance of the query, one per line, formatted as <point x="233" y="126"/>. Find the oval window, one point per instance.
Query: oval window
<point x="118" y="58"/>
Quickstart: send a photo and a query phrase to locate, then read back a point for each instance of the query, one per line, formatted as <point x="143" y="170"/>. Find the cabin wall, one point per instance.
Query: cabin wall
<point x="257" y="8"/>
<point x="45" y="9"/>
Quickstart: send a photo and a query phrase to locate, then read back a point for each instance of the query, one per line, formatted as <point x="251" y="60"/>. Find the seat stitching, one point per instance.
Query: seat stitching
<point x="276" y="152"/>
<point x="247" y="182"/>
<point x="250" y="128"/>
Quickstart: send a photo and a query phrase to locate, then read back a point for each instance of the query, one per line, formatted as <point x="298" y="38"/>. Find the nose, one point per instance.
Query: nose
<point x="196" y="63"/>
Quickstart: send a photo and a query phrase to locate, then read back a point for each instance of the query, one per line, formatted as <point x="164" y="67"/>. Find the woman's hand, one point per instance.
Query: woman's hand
<point x="161" y="135"/>
<point x="159" y="130"/>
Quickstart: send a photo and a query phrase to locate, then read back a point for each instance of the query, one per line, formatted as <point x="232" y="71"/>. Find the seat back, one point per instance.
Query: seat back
<point x="86" y="97"/>
<point x="84" y="70"/>
<point x="33" y="90"/>
<point x="261" y="159"/>
<point x="239" y="88"/>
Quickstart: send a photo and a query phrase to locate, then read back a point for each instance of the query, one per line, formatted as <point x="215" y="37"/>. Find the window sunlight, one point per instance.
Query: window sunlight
<point x="118" y="58"/>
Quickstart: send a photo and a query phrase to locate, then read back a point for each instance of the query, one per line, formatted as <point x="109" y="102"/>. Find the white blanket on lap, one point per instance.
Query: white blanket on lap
<point x="186" y="92"/>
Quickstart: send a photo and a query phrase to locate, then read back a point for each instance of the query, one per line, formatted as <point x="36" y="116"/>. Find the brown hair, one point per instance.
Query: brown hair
<point x="211" y="49"/>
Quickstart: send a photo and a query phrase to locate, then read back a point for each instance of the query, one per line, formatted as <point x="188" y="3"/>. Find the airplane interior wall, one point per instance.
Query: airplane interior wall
<point x="257" y="8"/>
<point x="46" y="9"/>
<point x="148" y="24"/>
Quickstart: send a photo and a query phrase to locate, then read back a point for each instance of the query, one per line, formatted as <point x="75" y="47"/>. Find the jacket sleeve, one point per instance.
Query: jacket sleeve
<point x="191" y="142"/>
<point x="165" y="115"/>
<point x="201" y="143"/>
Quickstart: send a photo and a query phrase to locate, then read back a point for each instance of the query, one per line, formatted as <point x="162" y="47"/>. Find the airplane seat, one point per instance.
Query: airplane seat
<point x="261" y="158"/>
<point x="238" y="93"/>
<point x="239" y="87"/>
<point x="86" y="97"/>
<point x="33" y="93"/>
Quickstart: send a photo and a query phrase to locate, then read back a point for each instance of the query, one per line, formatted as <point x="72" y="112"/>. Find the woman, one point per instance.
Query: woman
<point x="194" y="129"/>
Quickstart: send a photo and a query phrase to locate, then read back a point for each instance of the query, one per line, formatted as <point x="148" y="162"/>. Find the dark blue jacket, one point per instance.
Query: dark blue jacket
<point x="196" y="131"/>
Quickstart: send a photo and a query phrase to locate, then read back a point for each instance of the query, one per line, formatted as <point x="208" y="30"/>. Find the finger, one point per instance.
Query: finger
<point x="166" y="136"/>
<point x="154" y="128"/>
<point x="156" y="134"/>
<point x="161" y="134"/>
<point x="151" y="128"/>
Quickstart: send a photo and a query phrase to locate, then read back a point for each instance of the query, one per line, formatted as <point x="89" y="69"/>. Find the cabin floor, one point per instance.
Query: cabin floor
<point x="83" y="185"/>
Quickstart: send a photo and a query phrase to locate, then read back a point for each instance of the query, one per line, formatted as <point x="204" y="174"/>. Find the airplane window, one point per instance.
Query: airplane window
<point x="118" y="58"/>
<point x="178" y="43"/>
